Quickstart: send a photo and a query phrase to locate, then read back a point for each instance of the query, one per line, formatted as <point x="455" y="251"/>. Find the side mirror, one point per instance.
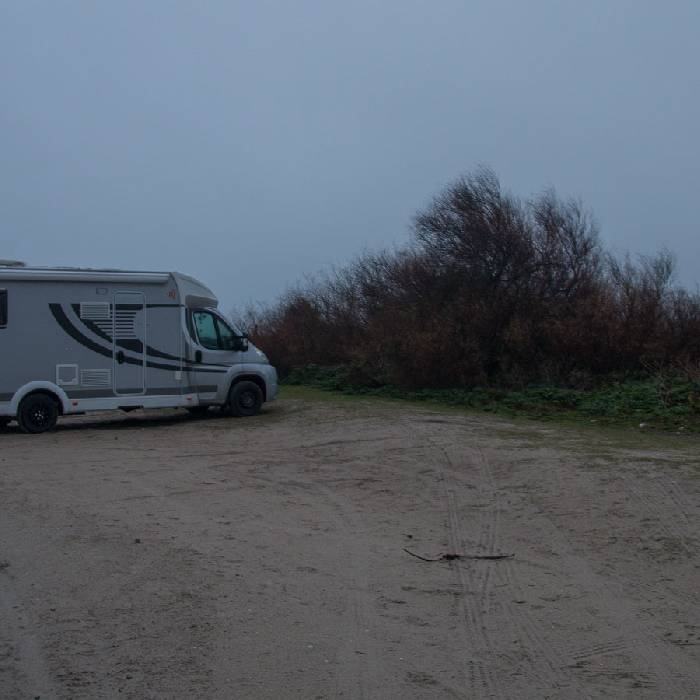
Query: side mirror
<point x="241" y="343"/>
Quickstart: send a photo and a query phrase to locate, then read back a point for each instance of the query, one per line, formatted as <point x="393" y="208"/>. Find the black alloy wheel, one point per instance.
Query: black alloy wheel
<point x="37" y="413"/>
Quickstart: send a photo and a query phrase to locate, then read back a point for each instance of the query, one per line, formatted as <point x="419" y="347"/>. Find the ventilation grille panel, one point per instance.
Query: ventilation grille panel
<point x="95" y="377"/>
<point x="124" y="324"/>
<point x="95" y="311"/>
<point x="105" y="327"/>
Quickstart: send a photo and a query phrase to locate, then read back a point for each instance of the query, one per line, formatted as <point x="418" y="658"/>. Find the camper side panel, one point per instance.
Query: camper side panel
<point x="79" y="335"/>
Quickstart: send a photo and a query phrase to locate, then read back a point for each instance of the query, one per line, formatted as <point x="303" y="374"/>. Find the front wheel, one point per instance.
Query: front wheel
<point x="245" y="399"/>
<point x="37" y="413"/>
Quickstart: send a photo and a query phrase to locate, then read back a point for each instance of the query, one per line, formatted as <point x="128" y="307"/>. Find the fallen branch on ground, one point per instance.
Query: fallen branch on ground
<point x="448" y="556"/>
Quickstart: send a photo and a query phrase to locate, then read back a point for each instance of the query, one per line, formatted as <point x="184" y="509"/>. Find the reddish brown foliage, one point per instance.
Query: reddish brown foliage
<point x="493" y="289"/>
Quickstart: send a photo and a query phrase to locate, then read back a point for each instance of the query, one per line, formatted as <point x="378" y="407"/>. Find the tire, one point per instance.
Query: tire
<point x="245" y="399"/>
<point x="37" y="413"/>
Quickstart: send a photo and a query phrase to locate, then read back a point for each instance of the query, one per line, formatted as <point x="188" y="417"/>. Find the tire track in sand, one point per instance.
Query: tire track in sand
<point x="548" y="667"/>
<point x="474" y="582"/>
<point x="30" y="674"/>
<point x="360" y="674"/>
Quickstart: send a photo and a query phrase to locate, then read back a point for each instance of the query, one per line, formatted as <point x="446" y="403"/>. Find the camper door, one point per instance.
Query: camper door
<point x="217" y="342"/>
<point x="129" y="334"/>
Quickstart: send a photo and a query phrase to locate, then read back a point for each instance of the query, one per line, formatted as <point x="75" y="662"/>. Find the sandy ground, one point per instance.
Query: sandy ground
<point x="161" y="556"/>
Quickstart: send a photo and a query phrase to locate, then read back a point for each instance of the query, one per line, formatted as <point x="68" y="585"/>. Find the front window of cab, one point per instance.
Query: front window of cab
<point x="205" y="325"/>
<point x="226" y="336"/>
<point x="212" y="332"/>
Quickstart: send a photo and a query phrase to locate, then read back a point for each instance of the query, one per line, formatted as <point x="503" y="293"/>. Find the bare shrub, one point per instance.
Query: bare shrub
<point x="493" y="290"/>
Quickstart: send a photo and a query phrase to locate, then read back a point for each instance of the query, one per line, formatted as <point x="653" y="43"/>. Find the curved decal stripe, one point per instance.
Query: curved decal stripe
<point x="60" y="315"/>
<point x="91" y="325"/>
<point x="136" y="345"/>
<point x="63" y="321"/>
<point x="132" y="344"/>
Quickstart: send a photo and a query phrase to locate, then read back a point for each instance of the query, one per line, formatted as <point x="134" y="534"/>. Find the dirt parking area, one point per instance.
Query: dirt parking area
<point x="162" y="556"/>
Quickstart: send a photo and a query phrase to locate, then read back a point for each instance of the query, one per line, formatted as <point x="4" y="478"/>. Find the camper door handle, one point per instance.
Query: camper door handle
<point x="198" y="356"/>
<point x="120" y="357"/>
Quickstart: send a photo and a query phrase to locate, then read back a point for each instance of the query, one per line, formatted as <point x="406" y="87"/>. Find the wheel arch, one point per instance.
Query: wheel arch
<point x="53" y="390"/>
<point x="248" y="377"/>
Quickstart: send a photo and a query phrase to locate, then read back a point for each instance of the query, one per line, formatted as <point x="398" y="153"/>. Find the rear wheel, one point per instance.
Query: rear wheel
<point x="37" y="413"/>
<point x="245" y="399"/>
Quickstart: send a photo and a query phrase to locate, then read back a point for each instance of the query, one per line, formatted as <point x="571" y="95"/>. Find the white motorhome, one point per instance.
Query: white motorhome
<point x="77" y="340"/>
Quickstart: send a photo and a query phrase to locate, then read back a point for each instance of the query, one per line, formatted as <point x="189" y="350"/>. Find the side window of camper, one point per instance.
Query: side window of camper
<point x="3" y="308"/>
<point x="205" y="324"/>
<point x="228" y="338"/>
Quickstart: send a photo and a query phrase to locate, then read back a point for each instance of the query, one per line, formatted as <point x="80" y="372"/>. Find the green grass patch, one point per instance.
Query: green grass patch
<point x="668" y="403"/>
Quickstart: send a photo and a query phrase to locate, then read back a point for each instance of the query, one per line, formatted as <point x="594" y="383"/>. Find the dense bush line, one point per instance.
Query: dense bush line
<point x="492" y="291"/>
<point x="664" y="401"/>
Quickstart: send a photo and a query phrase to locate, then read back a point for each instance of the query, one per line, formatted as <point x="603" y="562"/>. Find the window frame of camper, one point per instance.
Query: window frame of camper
<point x="218" y="321"/>
<point x="216" y="329"/>
<point x="3" y="308"/>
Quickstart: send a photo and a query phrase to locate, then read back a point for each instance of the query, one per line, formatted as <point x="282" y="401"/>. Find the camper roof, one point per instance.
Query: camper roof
<point x="80" y="274"/>
<point x="192" y="291"/>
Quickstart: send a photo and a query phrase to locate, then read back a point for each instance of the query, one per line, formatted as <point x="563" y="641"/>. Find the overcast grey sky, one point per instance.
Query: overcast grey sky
<point x="248" y="143"/>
